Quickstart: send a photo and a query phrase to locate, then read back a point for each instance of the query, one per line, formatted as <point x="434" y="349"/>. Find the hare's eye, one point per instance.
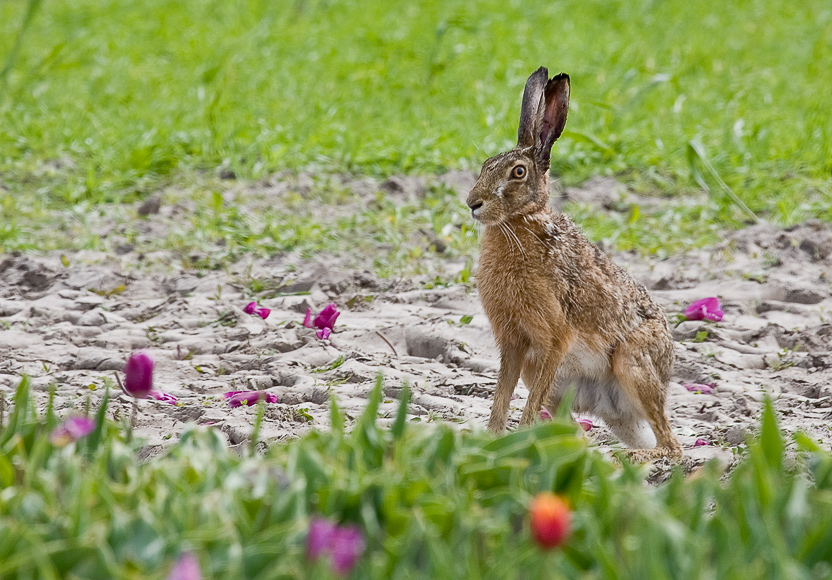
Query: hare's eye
<point x="519" y="172"/>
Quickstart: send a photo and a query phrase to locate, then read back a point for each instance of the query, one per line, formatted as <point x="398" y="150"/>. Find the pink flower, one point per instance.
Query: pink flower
<point x="327" y="317"/>
<point x="164" y="397"/>
<point x="320" y="537"/>
<point x="138" y="375"/>
<point x="249" y="398"/>
<point x="343" y="544"/>
<point x="324" y="321"/>
<point x="704" y="389"/>
<point x="700" y="443"/>
<point x="186" y="568"/>
<point x="706" y="308"/>
<point x="545" y="415"/>
<point x="586" y="424"/>
<point x="261" y="311"/>
<point x="71" y="430"/>
<point x="347" y="547"/>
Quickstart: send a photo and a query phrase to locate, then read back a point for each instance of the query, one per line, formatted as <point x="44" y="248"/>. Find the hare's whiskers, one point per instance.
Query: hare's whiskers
<point x="519" y="245"/>
<point x="508" y="239"/>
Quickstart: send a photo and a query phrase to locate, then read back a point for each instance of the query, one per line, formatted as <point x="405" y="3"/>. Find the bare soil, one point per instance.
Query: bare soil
<point x="72" y="323"/>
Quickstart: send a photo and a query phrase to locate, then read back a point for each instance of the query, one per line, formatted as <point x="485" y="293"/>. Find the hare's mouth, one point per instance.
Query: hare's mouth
<point x="476" y="210"/>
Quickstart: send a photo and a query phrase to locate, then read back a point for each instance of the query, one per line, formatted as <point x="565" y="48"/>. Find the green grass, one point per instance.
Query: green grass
<point x="432" y="502"/>
<point x="108" y="101"/>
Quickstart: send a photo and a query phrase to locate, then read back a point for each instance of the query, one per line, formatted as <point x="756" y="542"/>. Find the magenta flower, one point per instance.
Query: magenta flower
<point x="138" y="375"/>
<point x="324" y="321"/>
<point x="248" y="398"/>
<point x="164" y="397"/>
<point x="545" y="415"/>
<point x="706" y="308"/>
<point x="343" y="544"/>
<point x="320" y="537"/>
<point x="347" y="547"/>
<point x="700" y="388"/>
<point x="700" y="443"/>
<point x="261" y="311"/>
<point x="186" y="568"/>
<point x="71" y="430"/>
<point x="586" y="424"/>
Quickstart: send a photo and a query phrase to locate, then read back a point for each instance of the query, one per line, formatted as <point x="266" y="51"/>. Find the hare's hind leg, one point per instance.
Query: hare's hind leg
<point x="645" y="384"/>
<point x="635" y="434"/>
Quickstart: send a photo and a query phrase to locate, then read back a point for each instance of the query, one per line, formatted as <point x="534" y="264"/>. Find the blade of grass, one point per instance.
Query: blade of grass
<point x="696" y="151"/>
<point x="31" y="11"/>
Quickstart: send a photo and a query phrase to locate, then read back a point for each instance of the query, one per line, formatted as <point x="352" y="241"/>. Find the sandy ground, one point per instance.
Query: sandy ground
<point x="73" y="326"/>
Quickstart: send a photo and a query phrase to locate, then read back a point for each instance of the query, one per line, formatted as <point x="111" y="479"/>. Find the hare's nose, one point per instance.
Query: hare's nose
<point x="474" y="205"/>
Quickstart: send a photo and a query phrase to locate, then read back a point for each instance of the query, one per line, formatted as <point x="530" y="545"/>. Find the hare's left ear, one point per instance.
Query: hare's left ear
<point x="552" y="117"/>
<point x="530" y="112"/>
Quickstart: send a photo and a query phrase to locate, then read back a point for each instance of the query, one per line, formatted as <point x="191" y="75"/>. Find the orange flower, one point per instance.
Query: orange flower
<point x="550" y="520"/>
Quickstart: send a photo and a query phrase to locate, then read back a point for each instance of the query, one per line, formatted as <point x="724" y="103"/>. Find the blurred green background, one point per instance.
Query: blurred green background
<point x="106" y="101"/>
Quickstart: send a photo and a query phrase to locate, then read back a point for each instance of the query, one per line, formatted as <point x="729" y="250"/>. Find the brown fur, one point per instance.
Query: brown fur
<point x="561" y="311"/>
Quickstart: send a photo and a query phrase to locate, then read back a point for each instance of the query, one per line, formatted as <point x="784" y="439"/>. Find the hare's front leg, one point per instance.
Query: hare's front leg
<point x="542" y="373"/>
<point x="511" y="362"/>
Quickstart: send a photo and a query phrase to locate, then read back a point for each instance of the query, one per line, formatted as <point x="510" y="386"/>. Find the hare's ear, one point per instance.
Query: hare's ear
<point x="527" y="134"/>
<point x="554" y="107"/>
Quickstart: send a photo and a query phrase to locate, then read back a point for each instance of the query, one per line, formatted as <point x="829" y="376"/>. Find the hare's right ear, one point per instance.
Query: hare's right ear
<point x="528" y="133"/>
<point x="552" y="117"/>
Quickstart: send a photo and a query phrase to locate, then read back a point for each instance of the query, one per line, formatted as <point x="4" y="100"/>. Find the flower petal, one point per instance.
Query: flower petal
<point x="307" y="320"/>
<point x="164" y="397"/>
<point x="323" y="333"/>
<point x="327" y="317"/>
<point x="705" y="309"/>
<point x="700" y="388"/>
<point x="320" y="537"/>
<point x="700" y="443"/>
<point x="250" y="307"/>
<point x="71" y="430"/>
<point x="544" y="414"/>
<point x="138" y="375"/>
<point x="585" y="424"/>
<point x="186" y="568"/>
<point x="249" y="398"/>
<point x="347" y="547"/>
<point x="263" y="312"/>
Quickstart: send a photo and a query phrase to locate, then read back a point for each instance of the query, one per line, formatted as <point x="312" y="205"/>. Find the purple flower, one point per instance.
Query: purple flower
<point x="704" y="389"/>
<point x="138" y="375"/>
<point x="327" y="317"/>
<point x="261" y="311"/>
<point x="347" y="547"/>
<point x="320" y="537"/>
<point x="700" y="443"/>
<point x="344" y="544"/>
<point x="248" y="398"/>
<point x="324" y="321"/>
<point x="71" y="430"/>
<point x="706" y="308"/>
<point x="186" y="568"/>
<point x="164" y="397"/>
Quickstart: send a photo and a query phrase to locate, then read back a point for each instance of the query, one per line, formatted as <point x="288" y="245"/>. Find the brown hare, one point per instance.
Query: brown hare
<point x="563" y="314"/>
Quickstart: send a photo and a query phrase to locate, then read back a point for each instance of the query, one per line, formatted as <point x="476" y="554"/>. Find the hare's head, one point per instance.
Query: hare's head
<point x="515" y="182"/>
